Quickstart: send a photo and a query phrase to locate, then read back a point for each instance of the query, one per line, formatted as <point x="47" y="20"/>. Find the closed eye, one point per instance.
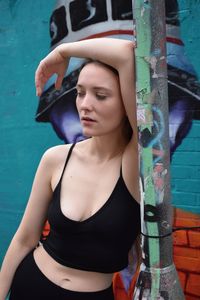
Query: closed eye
<point x="101" y="96"/>
<point x="80" y="94"/>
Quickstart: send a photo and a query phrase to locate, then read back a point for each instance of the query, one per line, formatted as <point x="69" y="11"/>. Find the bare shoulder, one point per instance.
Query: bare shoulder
<point x="53" y="161"/>
<point x="130" y="169"/>
<point x="56" y="155"/>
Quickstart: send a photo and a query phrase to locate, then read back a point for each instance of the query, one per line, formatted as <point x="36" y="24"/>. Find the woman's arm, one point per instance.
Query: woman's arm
<point x="29" y="231"/>
<point x="115" y="52"/>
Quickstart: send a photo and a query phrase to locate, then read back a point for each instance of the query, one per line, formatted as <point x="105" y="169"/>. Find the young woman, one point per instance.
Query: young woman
<point x="89" y="192"/>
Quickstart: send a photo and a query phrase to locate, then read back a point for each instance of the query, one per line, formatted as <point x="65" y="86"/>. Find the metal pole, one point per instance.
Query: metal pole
<point x="158" y="278"/>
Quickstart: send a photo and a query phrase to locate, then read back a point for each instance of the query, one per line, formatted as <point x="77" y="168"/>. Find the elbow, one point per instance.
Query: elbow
<point x="128" y="52"/>
<point x="130" y="45"/>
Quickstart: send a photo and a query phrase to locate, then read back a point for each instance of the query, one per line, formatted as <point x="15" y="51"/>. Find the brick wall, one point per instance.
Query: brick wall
<point x="187" y="253"/>
<point x="185" y="173"/>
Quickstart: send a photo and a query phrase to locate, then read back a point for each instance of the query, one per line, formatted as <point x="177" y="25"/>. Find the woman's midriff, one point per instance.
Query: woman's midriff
<point x="69" y="278"/>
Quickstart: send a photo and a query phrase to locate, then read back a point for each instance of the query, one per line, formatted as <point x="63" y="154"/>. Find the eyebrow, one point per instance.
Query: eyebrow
<point x="96" y="88"/>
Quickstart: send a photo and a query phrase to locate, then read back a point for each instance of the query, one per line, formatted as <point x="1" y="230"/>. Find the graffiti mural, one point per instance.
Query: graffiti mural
<point x="158" y="278"/>
<point x="75" y="20"/>
<point x="184" y="90"/>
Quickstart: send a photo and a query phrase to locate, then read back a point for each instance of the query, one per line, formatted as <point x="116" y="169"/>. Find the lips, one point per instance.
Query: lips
<point x="87" y="119"/>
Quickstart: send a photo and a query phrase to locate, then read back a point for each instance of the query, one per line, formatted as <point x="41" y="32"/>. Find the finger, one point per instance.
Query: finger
<point x="38" y="86"/>
<point x="38" y="91"/>
<point x="58" y="82"/>
<point x="41" y="72"/>
<point x="40" y="80"/>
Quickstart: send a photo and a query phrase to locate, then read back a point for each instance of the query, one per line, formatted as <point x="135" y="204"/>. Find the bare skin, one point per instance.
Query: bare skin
<point x="103" y="102"/>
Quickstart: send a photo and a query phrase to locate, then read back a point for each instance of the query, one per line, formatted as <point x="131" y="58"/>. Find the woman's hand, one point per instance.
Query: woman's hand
<point x="53" y="63"/>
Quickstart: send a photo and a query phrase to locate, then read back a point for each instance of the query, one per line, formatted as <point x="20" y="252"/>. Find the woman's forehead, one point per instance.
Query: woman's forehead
<point x="97" y="74"/>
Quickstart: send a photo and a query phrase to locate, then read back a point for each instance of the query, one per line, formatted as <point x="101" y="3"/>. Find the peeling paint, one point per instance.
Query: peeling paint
<point x="154" y="155"/>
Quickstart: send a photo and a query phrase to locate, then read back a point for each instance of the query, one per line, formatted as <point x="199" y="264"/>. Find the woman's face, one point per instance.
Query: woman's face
<point x="99" y="101"/>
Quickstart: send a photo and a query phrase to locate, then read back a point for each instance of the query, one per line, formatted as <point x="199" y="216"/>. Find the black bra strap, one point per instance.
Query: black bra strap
<point x="67" y="159"/>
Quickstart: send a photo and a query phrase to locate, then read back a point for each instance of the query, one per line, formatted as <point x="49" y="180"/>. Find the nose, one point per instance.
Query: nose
<point x="86" y="102"/>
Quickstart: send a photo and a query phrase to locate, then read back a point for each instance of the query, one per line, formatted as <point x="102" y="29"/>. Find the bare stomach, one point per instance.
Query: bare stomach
<point x="69" y="278"/>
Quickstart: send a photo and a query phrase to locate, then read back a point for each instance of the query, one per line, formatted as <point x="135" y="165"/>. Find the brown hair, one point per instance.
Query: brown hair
<point x="90" y="61"/>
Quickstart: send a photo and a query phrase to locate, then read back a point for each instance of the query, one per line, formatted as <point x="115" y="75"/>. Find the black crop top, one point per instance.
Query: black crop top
<point x="100" y="243"/>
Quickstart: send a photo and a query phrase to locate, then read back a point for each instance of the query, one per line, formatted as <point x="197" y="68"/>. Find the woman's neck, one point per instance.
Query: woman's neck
<point x="106" y="147"/>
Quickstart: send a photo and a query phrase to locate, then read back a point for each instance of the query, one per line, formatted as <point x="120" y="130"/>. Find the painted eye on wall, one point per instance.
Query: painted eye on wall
<point x="58" y="26"/>
<point x="85" y="13"/>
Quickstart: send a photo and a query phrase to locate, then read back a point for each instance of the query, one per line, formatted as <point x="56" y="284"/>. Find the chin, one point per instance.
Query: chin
<point x="87" y="134"/>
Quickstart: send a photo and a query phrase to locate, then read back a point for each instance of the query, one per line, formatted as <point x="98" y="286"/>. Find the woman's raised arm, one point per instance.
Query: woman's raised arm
<point x="115" y="52"/>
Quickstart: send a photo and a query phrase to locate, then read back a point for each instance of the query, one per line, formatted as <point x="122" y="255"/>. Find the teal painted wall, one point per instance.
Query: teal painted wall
<point x="190" y="33"/>
<point x="185" y="172"/>
<point x="185" y="167"/>
<point x="24" y="39"/>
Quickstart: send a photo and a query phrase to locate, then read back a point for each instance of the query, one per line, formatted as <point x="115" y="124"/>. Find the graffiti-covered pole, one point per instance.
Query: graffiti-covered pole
<point x="158" y="277"/>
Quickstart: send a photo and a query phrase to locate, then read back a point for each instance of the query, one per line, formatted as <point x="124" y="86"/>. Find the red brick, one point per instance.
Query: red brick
<point x="187" y="263"/>
<point x="180" y="238"/>
<point x="193" y="284"/>
<point x="182" y="278"/>
<point x="183" y="218"/>
<point x="194" y="238"/>
<point x="180" y="222"/>
<point x="187" y="252"/>
<point x="179" y="213"/>
<point x="188" y="297"/>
